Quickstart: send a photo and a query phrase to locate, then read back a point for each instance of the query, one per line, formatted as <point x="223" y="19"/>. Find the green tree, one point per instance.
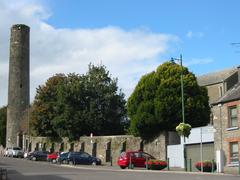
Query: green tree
<point x="155" y="104"/>
<point x="107" y="113"/>
<point x="44" y="108"/>
<point x="69" y="120"/>
<point x="75" y="105"/>
<point x="3" y="124"/>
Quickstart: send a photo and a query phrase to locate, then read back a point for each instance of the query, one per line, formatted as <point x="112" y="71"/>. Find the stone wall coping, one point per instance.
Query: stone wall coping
<point x="117" y="136"/>
<point x="88" y="137"/>
<point x="232" y="128"/>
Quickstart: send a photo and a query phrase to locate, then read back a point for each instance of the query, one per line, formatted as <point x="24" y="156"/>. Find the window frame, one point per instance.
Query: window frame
<point x="231" y="154"/>
<point x="231" y="118"/>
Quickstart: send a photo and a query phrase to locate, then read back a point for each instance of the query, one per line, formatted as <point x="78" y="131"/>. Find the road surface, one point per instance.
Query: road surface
<point x="21" y="169"/>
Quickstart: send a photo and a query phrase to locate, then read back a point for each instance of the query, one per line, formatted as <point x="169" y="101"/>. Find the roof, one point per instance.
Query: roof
<point x="231" y="95"/>
<point x="216" y="77"/>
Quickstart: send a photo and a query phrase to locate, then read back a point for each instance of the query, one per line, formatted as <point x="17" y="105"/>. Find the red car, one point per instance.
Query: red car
<point x="137" y="158"/>
<point x="52" y="157"/>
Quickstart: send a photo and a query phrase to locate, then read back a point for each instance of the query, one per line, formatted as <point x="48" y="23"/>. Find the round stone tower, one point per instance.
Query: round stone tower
<point x="18" y="85"/>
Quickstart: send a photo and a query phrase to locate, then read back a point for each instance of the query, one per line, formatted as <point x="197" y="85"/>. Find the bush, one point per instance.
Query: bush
<point x="208" y="166"/>
<point x="156" y="164"/>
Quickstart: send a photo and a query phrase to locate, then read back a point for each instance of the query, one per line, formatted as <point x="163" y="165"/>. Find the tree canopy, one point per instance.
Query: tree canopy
<point x="3" y="124"/>
<point x="74" y="105"/>
<point x="155" y="104"/>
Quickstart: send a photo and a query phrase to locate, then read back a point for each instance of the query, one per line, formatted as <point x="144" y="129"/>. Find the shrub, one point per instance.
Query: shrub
<point x="208" y="166"/>
<point x="156" y="164"/>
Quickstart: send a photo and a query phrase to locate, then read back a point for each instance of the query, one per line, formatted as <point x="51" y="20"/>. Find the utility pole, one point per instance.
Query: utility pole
<point x="183" y="112"/>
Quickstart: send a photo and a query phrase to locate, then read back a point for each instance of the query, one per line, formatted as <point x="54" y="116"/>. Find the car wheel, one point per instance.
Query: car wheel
<point x="34" y="158"/>
<point x="64" y="161"/>
<point x="94" y="163"/>
<point x="71" y="163"/>
<point x="123" y="167"/>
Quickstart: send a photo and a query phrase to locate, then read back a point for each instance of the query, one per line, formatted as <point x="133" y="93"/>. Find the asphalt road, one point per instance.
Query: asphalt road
<point x="21" y="169"/>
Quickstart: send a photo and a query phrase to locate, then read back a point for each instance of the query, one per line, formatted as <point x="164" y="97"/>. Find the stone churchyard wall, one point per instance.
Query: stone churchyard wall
<point x="103" y="147"/>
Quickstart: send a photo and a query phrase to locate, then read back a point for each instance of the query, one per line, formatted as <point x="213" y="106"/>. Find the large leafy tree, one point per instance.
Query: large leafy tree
<point x="45" y="107"/>
<point x="155" y="104"/>
<point x="75" y="105"/>
<point x="3" y="122"/>
<point x="107" y="113"/>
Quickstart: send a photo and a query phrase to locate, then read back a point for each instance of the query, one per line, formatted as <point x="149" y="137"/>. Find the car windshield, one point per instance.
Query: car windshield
<point x="85" y="155"/>
<point x="139" y="154"/>
<point x="123" y="154"/>
<point x="16" y="148"/>
<point x="64" y="154"/>
<point x="147" y="156"/>
<point x="40" y="152"/>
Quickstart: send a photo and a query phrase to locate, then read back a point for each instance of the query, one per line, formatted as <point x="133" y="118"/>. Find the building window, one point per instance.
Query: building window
<point x="233" y="120"/>
<point x="234" y="152"/>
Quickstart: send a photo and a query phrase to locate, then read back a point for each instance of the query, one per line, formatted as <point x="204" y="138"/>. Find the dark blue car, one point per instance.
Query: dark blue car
<point x="82" y="158"/>
<point x="38" y="155"/>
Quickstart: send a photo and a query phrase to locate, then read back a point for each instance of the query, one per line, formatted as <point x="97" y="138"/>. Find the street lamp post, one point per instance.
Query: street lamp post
<point x="180" y="60"/>
<point x="183" y="113"/>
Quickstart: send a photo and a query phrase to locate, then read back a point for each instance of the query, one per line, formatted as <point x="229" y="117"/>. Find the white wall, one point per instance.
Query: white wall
<point x="175" y="155"/>
<point x="195" y="136"/>
<point x="175" y="152"/>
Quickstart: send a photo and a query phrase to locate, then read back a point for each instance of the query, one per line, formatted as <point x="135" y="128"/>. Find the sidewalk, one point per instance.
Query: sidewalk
<point x="231" y="170"/>
<point x="107" y="167"/>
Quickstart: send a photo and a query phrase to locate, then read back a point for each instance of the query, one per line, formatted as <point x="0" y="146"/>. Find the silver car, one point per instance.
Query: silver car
<point x="15" y="152"/>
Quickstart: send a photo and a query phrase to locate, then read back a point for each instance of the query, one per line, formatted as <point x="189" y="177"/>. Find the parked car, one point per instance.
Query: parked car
<point x="82" y="158"/>
<point x="14" y="152"/>
<point x="137" y="158"/>
<point x="52" y="157"/>
<point x="62" y="158"/>
<point x="38" y="155"/>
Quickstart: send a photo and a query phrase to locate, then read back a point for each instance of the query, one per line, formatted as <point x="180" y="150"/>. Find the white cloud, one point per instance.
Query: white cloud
<point x="191" y="34"/>
<point x="127" y="54"/>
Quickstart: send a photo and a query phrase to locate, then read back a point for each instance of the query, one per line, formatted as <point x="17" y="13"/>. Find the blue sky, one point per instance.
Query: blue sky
<point x="130" y="37"/>
<point x="206" y="28"/>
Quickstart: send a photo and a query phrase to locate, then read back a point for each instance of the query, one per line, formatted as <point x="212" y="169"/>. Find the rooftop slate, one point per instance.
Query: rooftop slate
<point x="216" y="77"/>
<point x="231" y="95"/>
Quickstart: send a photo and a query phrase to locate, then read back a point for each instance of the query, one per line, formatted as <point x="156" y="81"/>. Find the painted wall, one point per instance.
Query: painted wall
<point x="175" y="153"/>
<point x="204" y="134"/>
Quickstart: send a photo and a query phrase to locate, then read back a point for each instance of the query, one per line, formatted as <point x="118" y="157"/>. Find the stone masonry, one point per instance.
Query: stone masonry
<point x="104" y="147"/>
<point x="18" y="85"/>
<point x="225" y="135"/>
